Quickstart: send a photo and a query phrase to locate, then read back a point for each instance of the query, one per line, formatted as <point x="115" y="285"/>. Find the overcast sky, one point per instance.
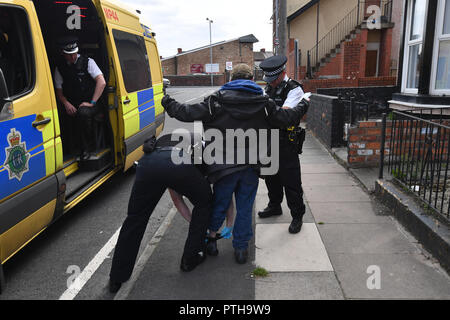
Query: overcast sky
<point x="182" y="23"/>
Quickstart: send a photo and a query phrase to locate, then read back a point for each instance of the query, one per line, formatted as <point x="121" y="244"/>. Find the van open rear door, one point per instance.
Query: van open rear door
<point x="134" y="95"/>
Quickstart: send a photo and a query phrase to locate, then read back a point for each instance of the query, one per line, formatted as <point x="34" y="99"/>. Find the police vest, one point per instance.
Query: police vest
<point x="78" y="85"/>
<point x="280" y="93"/>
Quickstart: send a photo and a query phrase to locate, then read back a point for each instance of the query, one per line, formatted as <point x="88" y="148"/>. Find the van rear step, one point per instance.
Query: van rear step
<point x="96" y="161"/>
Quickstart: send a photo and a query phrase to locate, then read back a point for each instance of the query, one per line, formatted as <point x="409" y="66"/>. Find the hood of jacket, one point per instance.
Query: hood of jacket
<point x="242" y="99"/>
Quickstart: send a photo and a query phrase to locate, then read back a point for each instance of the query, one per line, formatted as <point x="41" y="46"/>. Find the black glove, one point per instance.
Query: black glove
<point x="150" y="145"/>
<point x="304" y="104"/>
<point x="166" y="100"/>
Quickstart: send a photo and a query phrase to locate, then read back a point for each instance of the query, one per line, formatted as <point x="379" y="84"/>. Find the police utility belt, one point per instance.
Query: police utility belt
<point x="295" y="136"/>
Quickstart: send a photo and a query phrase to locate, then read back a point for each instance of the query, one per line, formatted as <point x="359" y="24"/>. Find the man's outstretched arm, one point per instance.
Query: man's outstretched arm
<point x="187" y="112"/>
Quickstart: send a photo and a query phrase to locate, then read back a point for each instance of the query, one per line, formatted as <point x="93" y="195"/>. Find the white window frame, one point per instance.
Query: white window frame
<point x="437" y="39"/>
<point x="408" y="44"/>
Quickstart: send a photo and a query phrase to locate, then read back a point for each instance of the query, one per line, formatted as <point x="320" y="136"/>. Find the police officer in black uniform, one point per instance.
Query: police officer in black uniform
<point x="286" y="93"/>
<point x="155" y="173"/>
<point x="79" y="85"/>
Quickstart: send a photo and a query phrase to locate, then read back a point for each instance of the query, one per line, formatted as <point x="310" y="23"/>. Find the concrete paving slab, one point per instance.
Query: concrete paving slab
<point x="298" y="286"/>
<point x="280" y="251"/>
<point x="261" y="203"/>
<point x="313" y="143"/>
<point x="402" y="276"/>
<point x="330" y="179"/>
<point x="307" y="159"/>
<point x="320" y="152"/>
<point x="335" y="194"/>
<point x="346" y="212"/>
<point x="322" y="168"/>
<point x="262" y="200"/>
<point x="381" y="238"/>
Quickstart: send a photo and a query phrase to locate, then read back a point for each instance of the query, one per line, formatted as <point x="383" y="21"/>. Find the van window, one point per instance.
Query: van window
<point x="16" y="51"/>
<point x="133" y="61"/>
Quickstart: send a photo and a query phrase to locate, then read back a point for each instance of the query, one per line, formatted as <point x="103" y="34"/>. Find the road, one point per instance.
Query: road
<point x="73" y="245"/>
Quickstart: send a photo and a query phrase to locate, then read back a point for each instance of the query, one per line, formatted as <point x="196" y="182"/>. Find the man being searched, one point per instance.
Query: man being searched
<point x="79" y="85"/>
<point x="286" y="93"/>
<point x="239" y="106"/>
<point x="156" y="172"/>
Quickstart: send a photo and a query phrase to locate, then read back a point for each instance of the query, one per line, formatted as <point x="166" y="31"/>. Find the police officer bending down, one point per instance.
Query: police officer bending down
<point x="155" y="173"/>
<point x="79" y="84"/>
<point x="286" y="93"/>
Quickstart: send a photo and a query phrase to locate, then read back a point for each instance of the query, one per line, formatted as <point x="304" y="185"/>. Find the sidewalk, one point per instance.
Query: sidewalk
<point x="345" y="238"/>
<point x="345" y="243"/>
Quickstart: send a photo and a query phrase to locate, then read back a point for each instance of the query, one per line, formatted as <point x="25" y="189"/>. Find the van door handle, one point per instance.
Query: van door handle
<point x="41" y="122"/>
<point x="127" y="101"/>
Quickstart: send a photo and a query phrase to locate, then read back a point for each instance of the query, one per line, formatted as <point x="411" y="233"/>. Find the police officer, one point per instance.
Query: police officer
<point x="286" y="93"/>
<point x="79" y="84"/>
<point x="156" y="172"/>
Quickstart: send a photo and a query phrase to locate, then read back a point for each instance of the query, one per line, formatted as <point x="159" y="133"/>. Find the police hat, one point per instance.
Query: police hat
<point x="273" y="67"/>
<point x="68" y="44"/>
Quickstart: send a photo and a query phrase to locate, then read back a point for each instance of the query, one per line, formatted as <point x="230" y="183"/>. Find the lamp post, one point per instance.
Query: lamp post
<point x="210" y="51"/>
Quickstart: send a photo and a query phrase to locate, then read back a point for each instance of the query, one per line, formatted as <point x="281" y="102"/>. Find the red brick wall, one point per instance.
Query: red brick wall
<point x="168" y="66"/>
<point x="313" y="85"/>
<point x="234" y="51"/>
<point x="364" y="142"/>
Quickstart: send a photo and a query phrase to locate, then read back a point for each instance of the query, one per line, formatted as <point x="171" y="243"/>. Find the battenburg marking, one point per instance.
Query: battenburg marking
<point x="17" y="157"/>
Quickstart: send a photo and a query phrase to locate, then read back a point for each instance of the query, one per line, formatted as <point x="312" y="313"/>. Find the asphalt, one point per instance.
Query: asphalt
<point x="349" y="248"/>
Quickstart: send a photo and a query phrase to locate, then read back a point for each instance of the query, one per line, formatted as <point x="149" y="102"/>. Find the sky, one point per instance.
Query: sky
<point x="183" y="24"/>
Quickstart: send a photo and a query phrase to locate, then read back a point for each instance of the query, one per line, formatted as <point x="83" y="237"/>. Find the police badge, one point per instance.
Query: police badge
<point x="17" y="157"/>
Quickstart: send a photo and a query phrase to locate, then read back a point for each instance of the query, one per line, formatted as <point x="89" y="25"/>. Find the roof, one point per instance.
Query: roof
<point x="260" y="56"/>
<point x="301" y="10"/>
<point x="250" y="38"/>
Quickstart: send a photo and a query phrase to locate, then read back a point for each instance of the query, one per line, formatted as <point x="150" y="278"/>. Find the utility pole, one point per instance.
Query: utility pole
<point x="282" y="22"/>
<point x="210" y="51"/>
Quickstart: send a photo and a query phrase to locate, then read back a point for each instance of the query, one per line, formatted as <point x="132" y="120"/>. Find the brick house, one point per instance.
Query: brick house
<point x="341" y="45"/>
<point x="188" y="63"/>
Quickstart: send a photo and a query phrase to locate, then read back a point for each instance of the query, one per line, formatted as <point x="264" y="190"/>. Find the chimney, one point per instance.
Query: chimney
<point x="263" y="50"/>
<point x="180" y="50"/>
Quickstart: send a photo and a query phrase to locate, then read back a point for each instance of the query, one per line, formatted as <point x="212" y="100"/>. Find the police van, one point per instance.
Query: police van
<point x="40" y="178"/>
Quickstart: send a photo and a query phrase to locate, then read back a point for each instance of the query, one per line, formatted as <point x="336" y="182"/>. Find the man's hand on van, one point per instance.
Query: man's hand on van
<point x="166" y="100"/>
<point x="70" y="109"/>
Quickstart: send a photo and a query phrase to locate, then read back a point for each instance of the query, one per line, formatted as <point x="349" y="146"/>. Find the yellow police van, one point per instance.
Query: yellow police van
<point x="41" y="179"/>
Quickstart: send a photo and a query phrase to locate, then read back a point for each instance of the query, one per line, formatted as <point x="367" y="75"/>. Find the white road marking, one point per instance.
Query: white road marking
<point x="126" y="288"/>
<point x="90" y="269"/>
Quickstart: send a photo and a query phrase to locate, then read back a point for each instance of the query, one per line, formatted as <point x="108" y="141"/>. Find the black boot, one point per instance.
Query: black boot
<point x="114" y="286"/>
<point x="241" y="255"/>
<point x="189" y="263"/>
<point x="296" y="225"/>
<point x="211" y="246"/>
<point x="270" y="211"/>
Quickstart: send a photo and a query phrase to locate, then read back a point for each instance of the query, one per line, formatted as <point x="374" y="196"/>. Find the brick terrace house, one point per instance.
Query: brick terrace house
<point x="184" y="67"/>
<point x="424" y="66"/>
<point x="340" y="43"/>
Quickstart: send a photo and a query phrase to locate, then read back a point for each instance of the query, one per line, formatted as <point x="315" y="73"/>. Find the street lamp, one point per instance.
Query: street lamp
<point x="210" y="51"/>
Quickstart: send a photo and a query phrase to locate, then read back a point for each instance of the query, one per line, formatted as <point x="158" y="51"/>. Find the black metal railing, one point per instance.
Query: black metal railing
<point x="418" y="154"/>
<point x="360" y="107"/>
<point x="343" y="30"/>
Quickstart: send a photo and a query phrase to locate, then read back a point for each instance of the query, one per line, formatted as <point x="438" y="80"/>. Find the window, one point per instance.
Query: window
<point x="440" y="82"/>
<point x="133" y="61"/>
<point x="413" y="45"/>
<point x="16" y="51"/>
